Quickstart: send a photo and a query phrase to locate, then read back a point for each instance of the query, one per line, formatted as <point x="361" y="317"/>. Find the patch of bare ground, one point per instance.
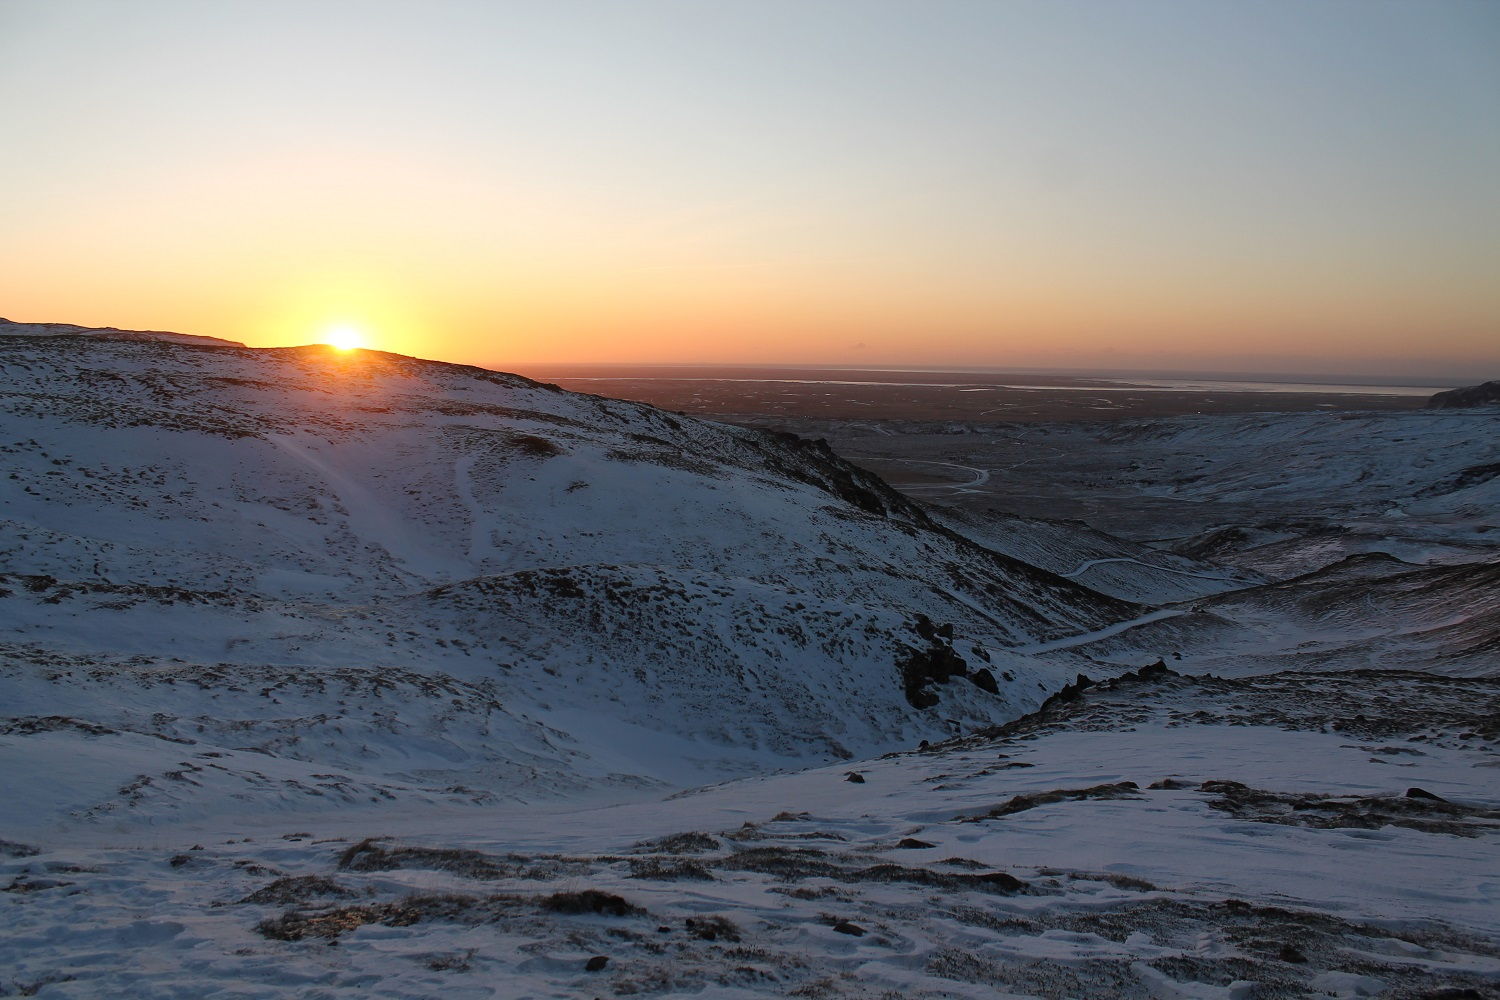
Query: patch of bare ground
<point x="590" y="901"/>
<point x="295" y="925"/>
<point x="1278" y="950"/>
<point x="369" y="856"/>
<point x="1416" y="810"/>
<point x="1139" y="940"/>
<point x="1030" y="800"/>
<point x="678" y="843"/>
<point x="1376" y="705"/>
<point x="299" y="889"/>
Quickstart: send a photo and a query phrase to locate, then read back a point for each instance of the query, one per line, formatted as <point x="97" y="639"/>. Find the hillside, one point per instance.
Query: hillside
<point x="324" y="579"/>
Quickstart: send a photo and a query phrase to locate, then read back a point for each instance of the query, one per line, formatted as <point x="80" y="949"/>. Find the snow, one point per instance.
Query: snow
<point x="1127" y="894"/>
<point x="262" y="605"/>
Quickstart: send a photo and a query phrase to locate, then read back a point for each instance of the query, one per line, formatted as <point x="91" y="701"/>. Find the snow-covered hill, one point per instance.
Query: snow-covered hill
<point x="1106" y="563"/>
<point x="1364" y="612"/>
<point x="10" y="328"/>
<point x="310" y="577"/>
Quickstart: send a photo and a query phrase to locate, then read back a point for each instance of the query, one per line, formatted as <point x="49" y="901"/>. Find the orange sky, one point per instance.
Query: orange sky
<point x="1269" y="186"/>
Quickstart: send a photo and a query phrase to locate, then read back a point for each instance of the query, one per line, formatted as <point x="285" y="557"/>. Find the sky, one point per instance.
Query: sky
<point x="1269" y="185"/>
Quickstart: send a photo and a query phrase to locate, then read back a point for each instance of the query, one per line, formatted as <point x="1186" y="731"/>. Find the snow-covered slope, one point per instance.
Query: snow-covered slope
<point x="1368" y="611"/>
<point x="9" y="328"/>
<point x="1298" y="836"/>
<point x="1106" y="563"/>
<point x="406" y="577"/>
<point x="1288" y="494"/>
<point x="1355" y="463"/>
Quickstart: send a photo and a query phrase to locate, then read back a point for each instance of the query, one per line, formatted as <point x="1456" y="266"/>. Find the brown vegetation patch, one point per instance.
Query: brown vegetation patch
<point x="713" y="928"/>
<point x="1423" y="811"/>
<point x="298" y="889"/>
<point x="368" y="856"/>
<point x="295" y="925"/>
<point x="1021" y="803"/>
<point x="678" y="843"/>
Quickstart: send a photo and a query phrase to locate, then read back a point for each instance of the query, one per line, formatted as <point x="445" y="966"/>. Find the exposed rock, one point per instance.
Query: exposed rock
<point x="937" y="664"/>
<point x="1067" y="693"/>
<point x="713" y="928"/>
<point x="590" y="901"/>
<point x="985" y="680"/>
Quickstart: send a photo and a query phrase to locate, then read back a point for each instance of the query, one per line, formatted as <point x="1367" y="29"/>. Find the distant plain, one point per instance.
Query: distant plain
<point x="798" y="392"/>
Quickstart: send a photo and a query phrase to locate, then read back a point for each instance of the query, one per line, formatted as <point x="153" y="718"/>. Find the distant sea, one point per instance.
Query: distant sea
<point x="977" y="383"/>
<point x="1200" y="385"/>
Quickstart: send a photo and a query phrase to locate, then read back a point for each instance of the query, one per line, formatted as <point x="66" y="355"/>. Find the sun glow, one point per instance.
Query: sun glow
<point x="343" y="338"/>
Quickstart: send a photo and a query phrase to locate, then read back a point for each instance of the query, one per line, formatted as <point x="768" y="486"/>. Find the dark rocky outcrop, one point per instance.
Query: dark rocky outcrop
<point x="985" y="680"/>
<point x="1065" y="694"/>
<point x="936" y="664"/>
<point x="1484" y="394"/>
<point x="590" y="901"/>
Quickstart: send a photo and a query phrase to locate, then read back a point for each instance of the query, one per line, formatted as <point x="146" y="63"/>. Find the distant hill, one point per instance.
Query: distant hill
<point x="1484" y="394"/>
<point x="10" y="328"/>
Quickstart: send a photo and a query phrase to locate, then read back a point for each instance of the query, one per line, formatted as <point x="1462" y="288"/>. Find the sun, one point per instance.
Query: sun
<point x="343" y="338"/>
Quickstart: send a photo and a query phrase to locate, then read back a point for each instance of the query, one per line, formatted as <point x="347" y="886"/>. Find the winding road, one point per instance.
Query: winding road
<point x="1090" y="564"/>
<point x="981" y="476"/>
<point x="1084" y="638"/>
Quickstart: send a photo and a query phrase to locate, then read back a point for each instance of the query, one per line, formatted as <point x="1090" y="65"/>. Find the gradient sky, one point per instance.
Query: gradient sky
<point x="1265" y="185"/>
